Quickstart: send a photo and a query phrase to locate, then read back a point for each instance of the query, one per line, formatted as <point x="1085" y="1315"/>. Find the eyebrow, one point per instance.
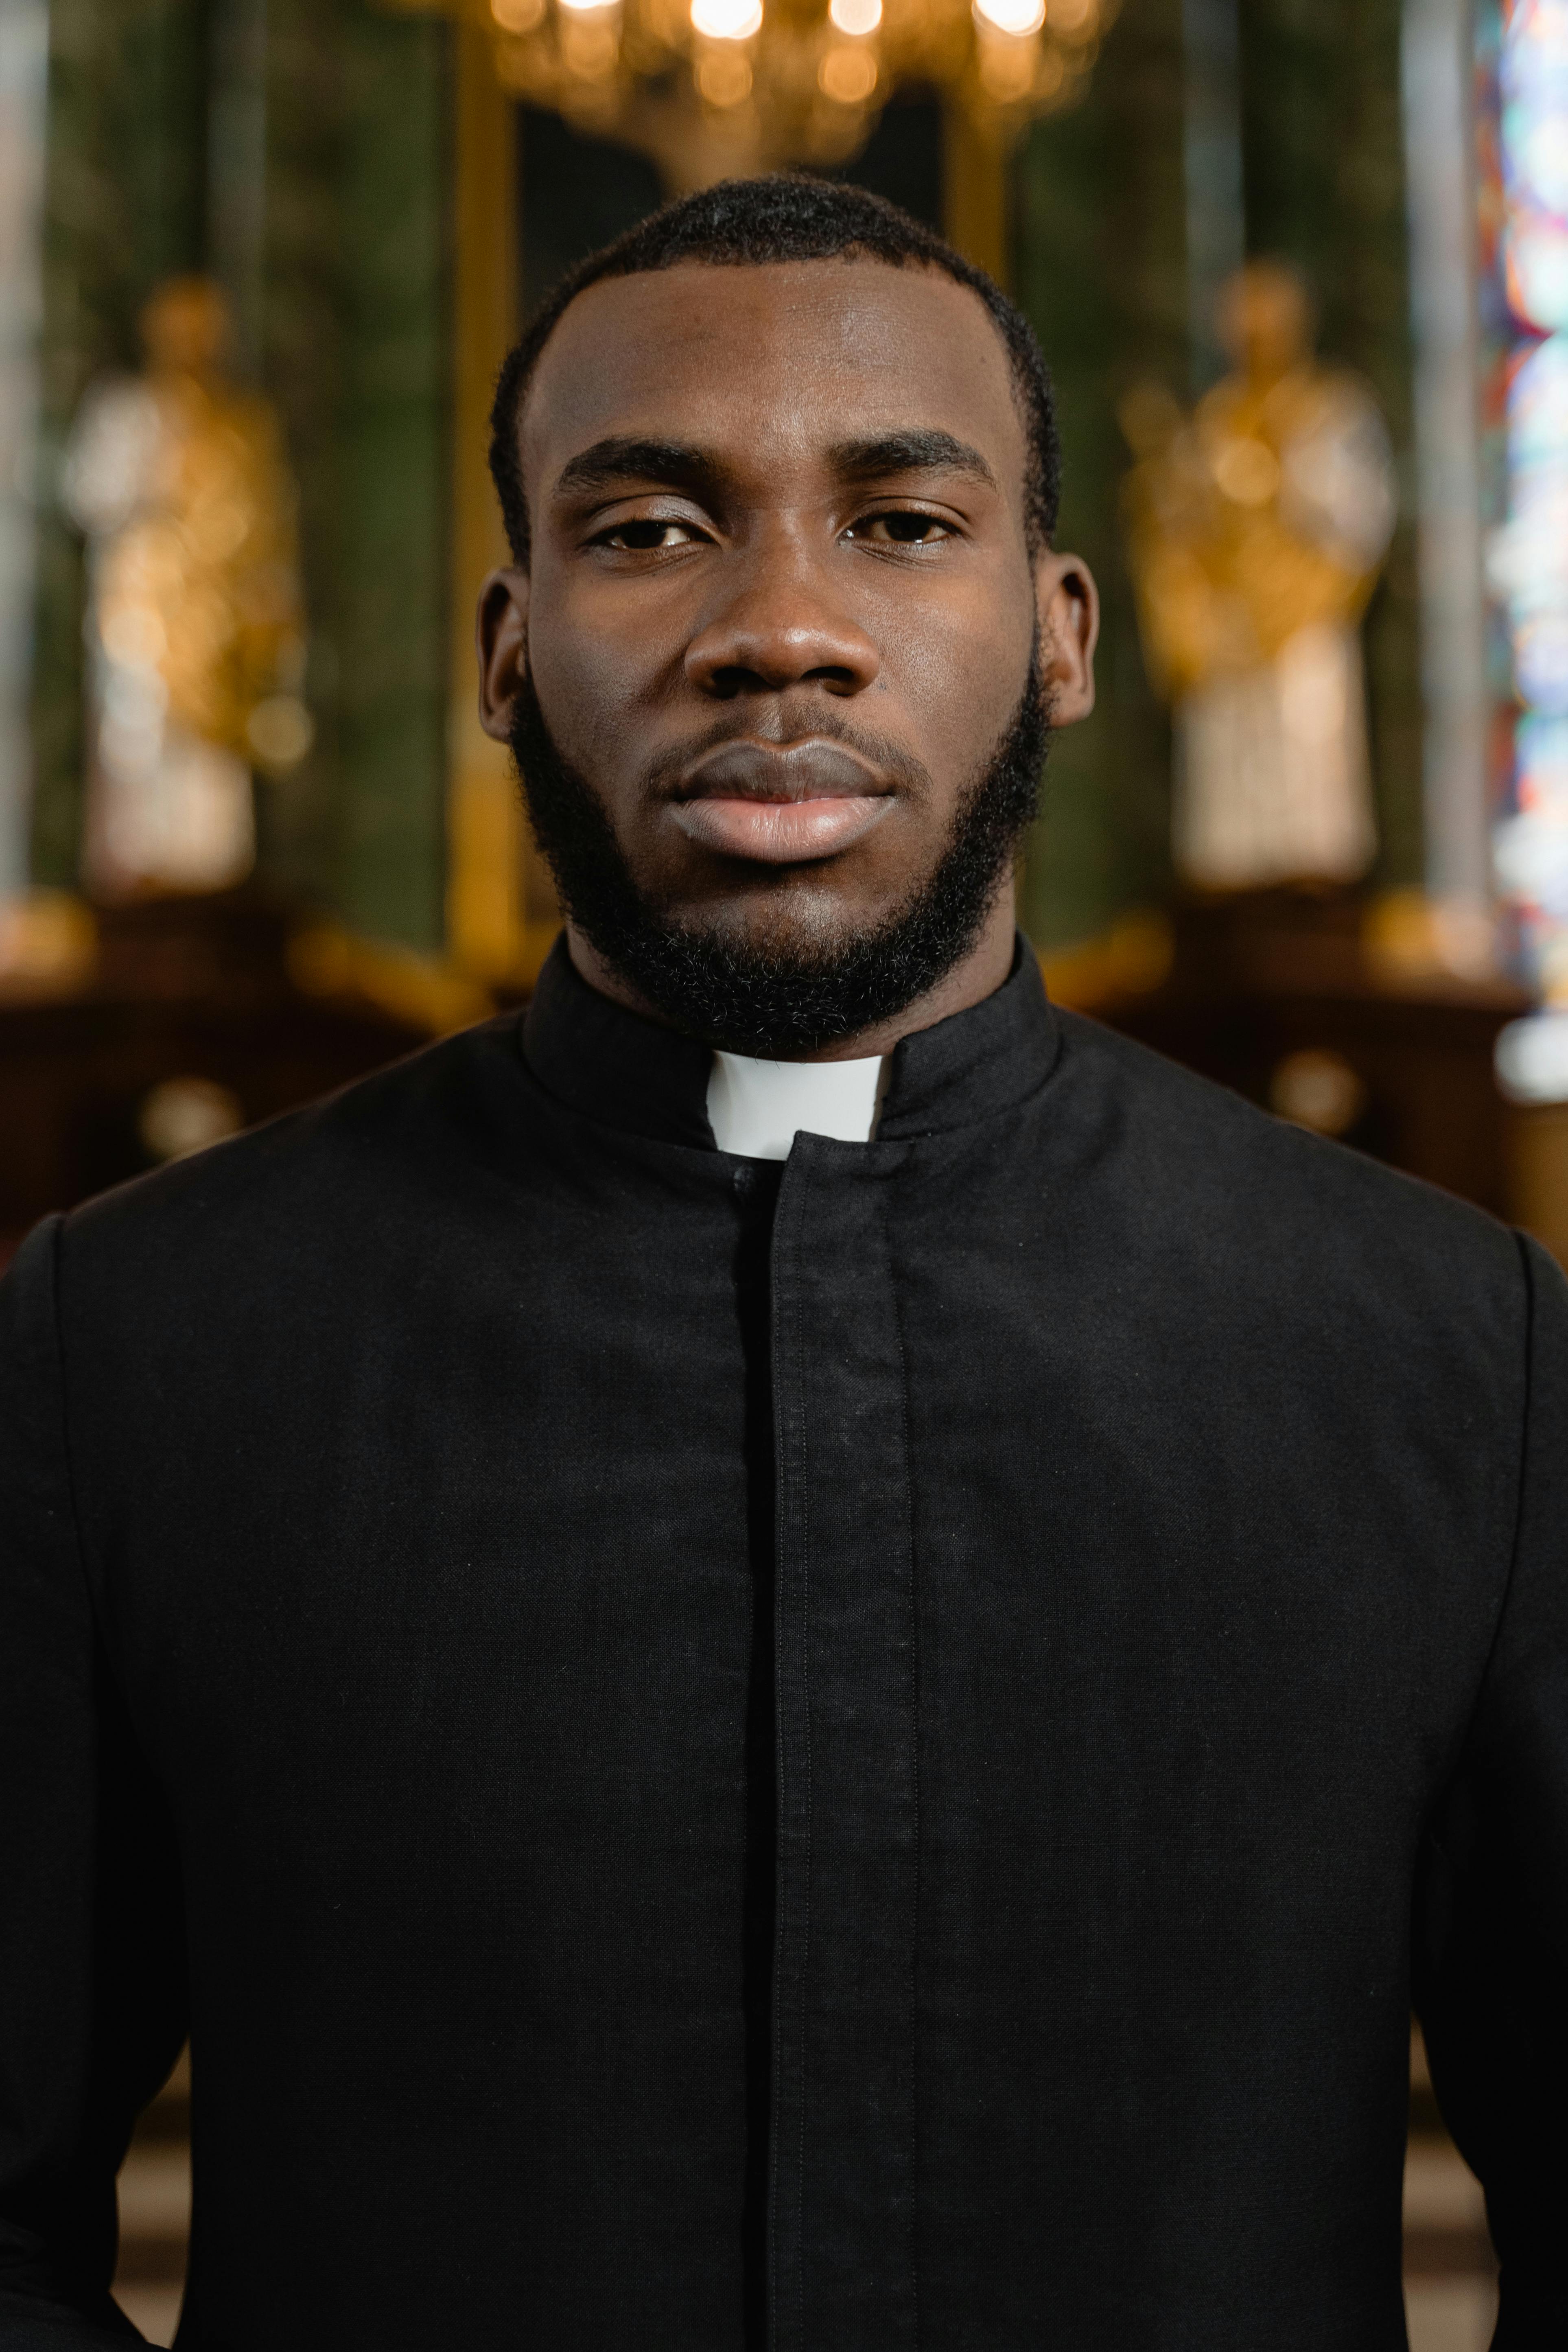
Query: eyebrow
<point x="623" y="458"/>
<point x="919" y="451"/>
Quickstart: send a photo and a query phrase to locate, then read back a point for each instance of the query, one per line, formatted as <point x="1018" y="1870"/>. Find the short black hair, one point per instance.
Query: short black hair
<point x="786" y="216"/>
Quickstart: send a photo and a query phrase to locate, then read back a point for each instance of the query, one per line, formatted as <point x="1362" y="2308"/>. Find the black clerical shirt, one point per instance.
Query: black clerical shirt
<point x="876" y="1767"/>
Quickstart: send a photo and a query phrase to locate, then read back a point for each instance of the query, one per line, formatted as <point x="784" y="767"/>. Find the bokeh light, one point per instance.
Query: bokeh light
<point x="848" y="76"/>
<point x="726" y="20"/>
<point x="1018" y="17"/>
<point x="855" y="16"/>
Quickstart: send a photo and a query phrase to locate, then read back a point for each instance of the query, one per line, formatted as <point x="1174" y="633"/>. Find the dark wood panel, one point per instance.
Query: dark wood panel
<point x="182" y="990"/>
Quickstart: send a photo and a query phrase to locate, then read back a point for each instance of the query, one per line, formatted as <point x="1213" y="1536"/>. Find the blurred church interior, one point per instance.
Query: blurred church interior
<point x="1301" y="273"/>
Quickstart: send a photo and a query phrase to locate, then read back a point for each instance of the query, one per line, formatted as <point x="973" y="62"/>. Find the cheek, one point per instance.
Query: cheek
<point x="595" y="662"/>
<point x="958" y="667"/>
<point x="581" y="684"/>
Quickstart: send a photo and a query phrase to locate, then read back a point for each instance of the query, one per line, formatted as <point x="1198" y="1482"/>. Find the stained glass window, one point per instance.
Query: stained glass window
<point x="1522" y="67"/>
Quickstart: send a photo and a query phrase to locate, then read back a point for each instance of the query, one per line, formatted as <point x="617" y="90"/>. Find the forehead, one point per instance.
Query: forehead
<point x="786" y="359"/>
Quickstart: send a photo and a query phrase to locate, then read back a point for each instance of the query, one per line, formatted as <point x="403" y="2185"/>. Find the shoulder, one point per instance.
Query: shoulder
<point x="392" y="1148"/>
<point x="1246" y="1191"/>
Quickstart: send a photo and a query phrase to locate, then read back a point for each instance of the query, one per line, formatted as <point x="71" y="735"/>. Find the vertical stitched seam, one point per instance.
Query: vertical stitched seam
<point x="783" y="1469"/>
<point x="805" y="1745"/>
<point x="915" y="1772"/>
<point x="794" y="1446"/>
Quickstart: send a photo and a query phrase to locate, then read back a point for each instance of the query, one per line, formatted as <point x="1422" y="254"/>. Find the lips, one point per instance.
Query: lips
<point x="780" y="804"/>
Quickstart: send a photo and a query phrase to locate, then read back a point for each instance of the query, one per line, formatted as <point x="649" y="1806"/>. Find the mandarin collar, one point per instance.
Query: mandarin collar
<point x="625" y="1072"/>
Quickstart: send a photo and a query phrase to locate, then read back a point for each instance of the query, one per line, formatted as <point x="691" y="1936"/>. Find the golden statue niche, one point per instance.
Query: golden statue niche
<point x="1256" y="531"/>
<point x="195" y="630"/>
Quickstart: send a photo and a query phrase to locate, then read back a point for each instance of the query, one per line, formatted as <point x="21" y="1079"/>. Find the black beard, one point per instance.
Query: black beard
<point x="763" y="998"/>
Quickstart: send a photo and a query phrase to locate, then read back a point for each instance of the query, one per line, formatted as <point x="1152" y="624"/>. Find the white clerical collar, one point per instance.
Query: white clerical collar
<point x="756" y="1108"/>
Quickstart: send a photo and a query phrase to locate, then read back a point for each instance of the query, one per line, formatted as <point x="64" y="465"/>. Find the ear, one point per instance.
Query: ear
<point x="1067" y="603"/>
<point x="500" y="639"/>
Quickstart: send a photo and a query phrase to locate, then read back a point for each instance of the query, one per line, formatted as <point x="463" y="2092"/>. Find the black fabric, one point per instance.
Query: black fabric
<point x="1107" y="1550"/>
<point x="756" y="1187"/>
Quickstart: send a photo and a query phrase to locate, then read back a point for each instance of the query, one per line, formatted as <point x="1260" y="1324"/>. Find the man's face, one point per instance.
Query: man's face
<point x="782" y="605"/>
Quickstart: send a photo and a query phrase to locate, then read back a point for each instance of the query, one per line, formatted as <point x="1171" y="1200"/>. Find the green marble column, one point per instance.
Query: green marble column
<point x="397" y="483"/>
<point x="356" y="356"/>
<point x="1099" y="267"/>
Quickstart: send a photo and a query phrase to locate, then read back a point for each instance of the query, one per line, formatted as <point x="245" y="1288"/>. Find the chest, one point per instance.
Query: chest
<point x="1034" y="1534"/>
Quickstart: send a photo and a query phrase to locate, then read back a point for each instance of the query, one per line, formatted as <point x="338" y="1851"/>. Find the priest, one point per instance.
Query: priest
<point x="798" y="1654"/>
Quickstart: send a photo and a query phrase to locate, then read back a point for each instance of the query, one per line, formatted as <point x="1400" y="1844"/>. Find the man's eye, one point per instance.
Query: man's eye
<point x="902" y="529"/>
<point x="649" y="531"/>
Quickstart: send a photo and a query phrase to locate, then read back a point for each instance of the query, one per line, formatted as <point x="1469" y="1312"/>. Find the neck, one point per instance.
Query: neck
<point x="975" y="977"/>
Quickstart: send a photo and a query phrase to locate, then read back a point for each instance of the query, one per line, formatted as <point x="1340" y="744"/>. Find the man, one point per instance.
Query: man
<point x="804" y="1655"/>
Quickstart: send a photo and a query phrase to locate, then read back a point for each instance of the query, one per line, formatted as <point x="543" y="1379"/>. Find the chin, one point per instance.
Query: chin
<point x="794" y="918"/>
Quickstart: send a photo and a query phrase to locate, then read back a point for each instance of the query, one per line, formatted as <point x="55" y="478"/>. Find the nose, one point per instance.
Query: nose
<point x="779" y="625"/>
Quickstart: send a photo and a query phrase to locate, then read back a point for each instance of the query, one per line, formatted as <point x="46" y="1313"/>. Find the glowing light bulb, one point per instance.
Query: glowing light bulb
<point x="726" y="20"/>
<point x="1018" y="17"/>
<point x="855" y="16"/>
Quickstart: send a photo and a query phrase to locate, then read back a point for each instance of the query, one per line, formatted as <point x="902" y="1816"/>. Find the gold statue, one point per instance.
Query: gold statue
<point x="196" y="628"/>
<point x="1256" y="530"/>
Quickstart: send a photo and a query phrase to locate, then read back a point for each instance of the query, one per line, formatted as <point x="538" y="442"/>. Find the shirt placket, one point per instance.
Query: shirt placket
<point x="845" y="2105"/>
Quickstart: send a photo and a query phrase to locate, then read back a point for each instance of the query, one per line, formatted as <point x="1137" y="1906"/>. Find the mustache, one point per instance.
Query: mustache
<point x="766" y="756"/>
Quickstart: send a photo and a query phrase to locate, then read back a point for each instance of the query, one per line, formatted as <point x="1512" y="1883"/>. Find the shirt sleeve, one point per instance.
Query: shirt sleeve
<point x="93" y="2000"/>
<point x="1491" y="1924"/>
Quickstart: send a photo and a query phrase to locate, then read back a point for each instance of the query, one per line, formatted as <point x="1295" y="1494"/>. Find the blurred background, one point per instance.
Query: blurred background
<point x="1301" y="268"/>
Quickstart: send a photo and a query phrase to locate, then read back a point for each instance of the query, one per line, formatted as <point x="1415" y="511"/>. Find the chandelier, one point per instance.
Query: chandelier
<point x="709" y="87"/>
